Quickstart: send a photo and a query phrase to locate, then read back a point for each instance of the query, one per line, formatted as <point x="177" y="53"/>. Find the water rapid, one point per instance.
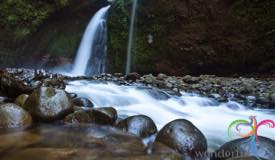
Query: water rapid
<point x="130" y="40"/>
<point x="211" y="117"/>
<point x="91" y="54"/>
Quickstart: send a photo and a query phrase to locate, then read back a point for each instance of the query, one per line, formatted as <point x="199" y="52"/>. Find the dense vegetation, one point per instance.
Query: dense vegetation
<point x="199" y="36"/>
<point x="42" y="33"/>
<point x="22" y="17"/>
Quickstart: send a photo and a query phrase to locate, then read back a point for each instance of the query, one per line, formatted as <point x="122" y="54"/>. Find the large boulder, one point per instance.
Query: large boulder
<point x="78" y="117"/>
<point x="242" y="147"/>
<point x="194" y="36"/>
<point x="101" y="116"/>
<point x="47" y="104"/>
<point x="184" y="137"/>
<point x="139" y="125"/>
<point x="13" y="116"/>
<point x="109" y="112"/>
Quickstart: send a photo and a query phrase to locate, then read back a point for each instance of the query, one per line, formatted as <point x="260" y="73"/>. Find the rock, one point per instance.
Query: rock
<point x="139" y="125"/>
<point x="54" y="82"/>
<point x="73" y="95"/>
<point x="20" y="100"/>
<point x="169" y="85"/>
<point x="241" y="147"/>
<point x="190" y="80"/>
<point x="101" y="116"/>
<point x="215" y="96"/>
<point x="13" y="116"/>
<point x="83" y="102"/>
<point x="110" y="112"/>
<point x="183" y="137"/>
<point x="118" y="74"/>
<point x="48" y="104"/>
<point x="245" y="90"/>
<point x="172" y="92"/>
<point x="13" y="87"/>
<point x="132" y="76"/>
<point x="161" y="76"/>
<point x="149" y="79"/>
<point x="78" y="117"/>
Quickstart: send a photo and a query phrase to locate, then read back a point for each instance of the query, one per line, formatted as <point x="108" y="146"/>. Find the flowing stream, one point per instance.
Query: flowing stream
<point x="91" y="55"/>
<point x="211" y="117"/>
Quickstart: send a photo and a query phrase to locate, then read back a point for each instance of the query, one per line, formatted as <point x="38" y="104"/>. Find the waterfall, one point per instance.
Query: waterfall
<point x="91" y="54"/>
<point x="130" y="40"/>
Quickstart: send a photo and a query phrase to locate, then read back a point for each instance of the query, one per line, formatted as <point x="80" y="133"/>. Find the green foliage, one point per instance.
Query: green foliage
<point x="22" y="17"/>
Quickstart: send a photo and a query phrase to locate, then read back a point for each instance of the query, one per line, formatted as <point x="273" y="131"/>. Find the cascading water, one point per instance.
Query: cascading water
<point x="130" y="40"/>
<point x="91" y="55"/>
<point x="211" y="117"/>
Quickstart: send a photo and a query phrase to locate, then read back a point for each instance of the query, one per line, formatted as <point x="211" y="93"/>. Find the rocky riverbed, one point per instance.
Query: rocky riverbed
<point x="38" y="117"/>
<point x="253" y="92"/>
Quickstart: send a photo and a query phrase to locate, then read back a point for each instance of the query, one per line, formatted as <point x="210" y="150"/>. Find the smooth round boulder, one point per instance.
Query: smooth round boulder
<point x="78" y="117"/>
<point x="110" y="112"/>
<point x="183" y="137"/>
<point x="139" y="125"/>
<point x="48" y="104"/>
<point x="100" y="116"/>
<point x="103" y="116"/>
<point x="83" y="102"/>
<point x="242" y="147"/>
<point x="14" y="116"/>
<point x="20" y="100"/>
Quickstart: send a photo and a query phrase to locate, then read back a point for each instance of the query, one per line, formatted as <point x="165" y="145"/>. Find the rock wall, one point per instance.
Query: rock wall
<point x="194" y="37"/>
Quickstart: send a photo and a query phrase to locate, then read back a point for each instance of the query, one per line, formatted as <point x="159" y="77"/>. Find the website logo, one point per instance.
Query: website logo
<point x="249" y="129"/>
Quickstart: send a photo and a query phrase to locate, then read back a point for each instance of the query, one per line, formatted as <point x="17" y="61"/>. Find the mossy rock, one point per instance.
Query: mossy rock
<point x="48" y="104"/>
<point x="13" y="116"/>
<point x="20" y="100"/>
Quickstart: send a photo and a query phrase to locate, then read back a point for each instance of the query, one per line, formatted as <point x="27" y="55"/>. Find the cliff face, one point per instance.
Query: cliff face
<point x="199" y="36"/>
<point x="54" y="41"/>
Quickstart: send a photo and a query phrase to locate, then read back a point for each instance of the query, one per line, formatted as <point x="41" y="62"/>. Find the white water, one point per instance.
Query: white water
<point x="92" y="43"/>
<point x="130" y="40"/>
<point x="209" y="116"/>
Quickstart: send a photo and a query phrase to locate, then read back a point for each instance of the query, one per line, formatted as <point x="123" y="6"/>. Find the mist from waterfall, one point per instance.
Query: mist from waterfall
<point x="92" y="52"/>
<point x="130" y="40"/>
